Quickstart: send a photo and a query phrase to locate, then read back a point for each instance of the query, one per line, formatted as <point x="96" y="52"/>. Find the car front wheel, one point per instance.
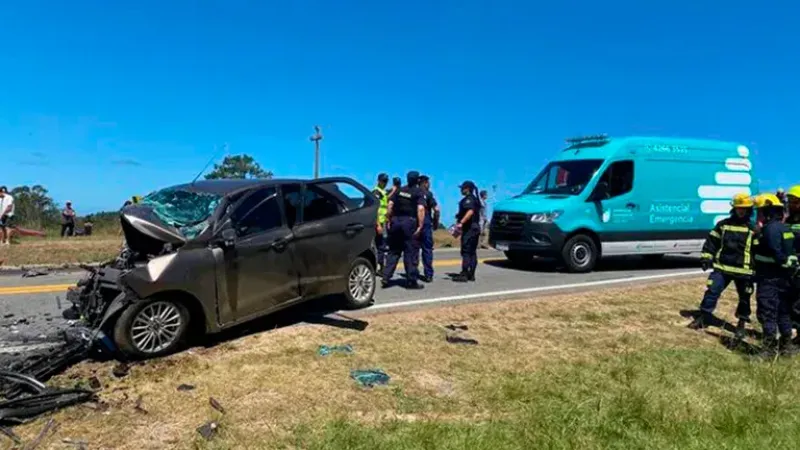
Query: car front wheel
<point x="579" y="254"/>
<point x="151" y="328"/>
<point x="361" y="282"/>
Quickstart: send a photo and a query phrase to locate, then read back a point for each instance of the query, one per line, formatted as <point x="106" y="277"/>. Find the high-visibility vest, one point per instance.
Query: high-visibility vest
<point x="383" y="208"/>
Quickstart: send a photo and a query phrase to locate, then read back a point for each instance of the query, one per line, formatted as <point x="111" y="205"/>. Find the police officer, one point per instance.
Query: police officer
<point x="469" y="227"/>
<point x="775" y="262"/>
<point x="380" y="229"/>
<point x="406" y="214"/>
<point x="728" y="249"/>
<point x="432" y="212"/>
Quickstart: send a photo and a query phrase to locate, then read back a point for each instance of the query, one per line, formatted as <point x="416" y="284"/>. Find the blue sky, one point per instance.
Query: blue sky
<point x="101" y="100"/>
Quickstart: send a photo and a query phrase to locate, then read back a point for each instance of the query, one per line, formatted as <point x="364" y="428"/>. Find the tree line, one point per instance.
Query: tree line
<point x="36" y="209"/>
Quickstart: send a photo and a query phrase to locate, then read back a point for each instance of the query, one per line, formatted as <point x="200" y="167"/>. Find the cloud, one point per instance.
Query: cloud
<point x="126" y="162"/>
<point x="37" y="163"/>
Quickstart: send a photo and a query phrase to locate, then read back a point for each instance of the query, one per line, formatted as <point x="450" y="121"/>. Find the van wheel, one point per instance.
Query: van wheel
<point x="518" y="258"/>
<point x="151" y="328"/>
<point x="360" y="287"/>
<point x="579" y="254"/>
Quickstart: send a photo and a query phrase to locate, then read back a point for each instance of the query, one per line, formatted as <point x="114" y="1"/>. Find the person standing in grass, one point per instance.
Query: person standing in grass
<point x="6" y="214"/>
<point x="67" y="220"/>
<point x="729" y="249"/>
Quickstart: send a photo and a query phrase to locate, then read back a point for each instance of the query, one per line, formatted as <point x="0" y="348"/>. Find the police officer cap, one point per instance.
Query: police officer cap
<point x="412" y="177"/>
<point x="467" y="184"/>
<point x="424" y="178"/>
<point x="383" y="177"/>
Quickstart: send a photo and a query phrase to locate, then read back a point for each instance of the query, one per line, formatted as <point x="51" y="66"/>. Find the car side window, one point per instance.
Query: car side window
<point x="318" y="204"/>
<point x="292" y="202"/>
<point x="619" y="177"/>
<point x="259" y="212"/>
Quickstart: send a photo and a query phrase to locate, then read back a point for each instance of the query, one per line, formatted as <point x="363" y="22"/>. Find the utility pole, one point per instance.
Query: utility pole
<point x="316" y="138"/>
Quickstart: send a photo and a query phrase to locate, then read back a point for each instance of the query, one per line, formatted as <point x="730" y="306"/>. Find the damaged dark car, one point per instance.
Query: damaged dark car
<point x="209" y="255"/>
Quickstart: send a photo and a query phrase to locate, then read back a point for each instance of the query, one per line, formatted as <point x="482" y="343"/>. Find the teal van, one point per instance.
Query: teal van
<point x="625" y="196"/>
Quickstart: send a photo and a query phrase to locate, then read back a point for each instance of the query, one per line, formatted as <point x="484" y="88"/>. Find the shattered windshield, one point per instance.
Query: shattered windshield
<point x="564" y="177"/>
<point x="183" y="209"/>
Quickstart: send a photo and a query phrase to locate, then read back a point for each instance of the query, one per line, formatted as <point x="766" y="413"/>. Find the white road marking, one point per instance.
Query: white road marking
<point x="532" y="290"/>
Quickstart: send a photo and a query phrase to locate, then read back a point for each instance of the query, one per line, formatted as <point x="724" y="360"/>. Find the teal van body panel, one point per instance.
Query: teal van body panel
<point x="665" y="195"/>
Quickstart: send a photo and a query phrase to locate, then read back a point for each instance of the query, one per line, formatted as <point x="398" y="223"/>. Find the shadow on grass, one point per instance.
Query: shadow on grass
<point x="728" y="341"/>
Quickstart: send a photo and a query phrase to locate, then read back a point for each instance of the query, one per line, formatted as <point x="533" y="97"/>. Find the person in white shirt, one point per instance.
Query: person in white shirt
<point x="6" y="214"/>
<point x="484" y="221"/>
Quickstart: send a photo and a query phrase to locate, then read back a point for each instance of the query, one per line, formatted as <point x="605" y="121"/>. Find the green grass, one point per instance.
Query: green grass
<point x="674" y="399"/>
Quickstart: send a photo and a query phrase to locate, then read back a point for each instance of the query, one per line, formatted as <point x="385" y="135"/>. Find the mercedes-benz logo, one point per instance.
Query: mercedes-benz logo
<point x="503" y="220"/>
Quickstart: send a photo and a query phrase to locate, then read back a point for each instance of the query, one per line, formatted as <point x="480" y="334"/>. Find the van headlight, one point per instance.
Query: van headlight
<point x="546" y="217"/>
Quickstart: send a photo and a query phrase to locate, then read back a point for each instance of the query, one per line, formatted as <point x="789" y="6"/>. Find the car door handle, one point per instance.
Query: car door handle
<point x="353" y="228"/>
<point x="631" y="205"/>
<point x="280" y="245"/>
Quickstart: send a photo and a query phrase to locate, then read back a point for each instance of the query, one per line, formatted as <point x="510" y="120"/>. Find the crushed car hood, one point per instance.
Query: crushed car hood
<point x="145" y="232"/>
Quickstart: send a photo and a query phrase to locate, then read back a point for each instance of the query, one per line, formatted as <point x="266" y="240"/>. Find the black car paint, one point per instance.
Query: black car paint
<point x="221" y="279"/>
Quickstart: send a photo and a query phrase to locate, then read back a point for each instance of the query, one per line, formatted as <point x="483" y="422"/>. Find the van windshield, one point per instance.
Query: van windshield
<point x="564" y="177"/>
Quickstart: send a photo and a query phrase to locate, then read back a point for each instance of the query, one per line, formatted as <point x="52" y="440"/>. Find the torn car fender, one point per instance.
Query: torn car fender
<point x="119" y="303"/>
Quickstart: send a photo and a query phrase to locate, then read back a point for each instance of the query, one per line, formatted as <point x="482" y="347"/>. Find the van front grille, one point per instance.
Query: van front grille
<point x="507" y="225"/>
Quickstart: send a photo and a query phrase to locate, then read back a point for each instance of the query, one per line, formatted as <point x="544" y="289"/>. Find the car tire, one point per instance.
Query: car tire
<point x="137" y="314"/>
<point x="579" y="254"/>
<point x="518" y="258"/>
<point x="360" y="283"/>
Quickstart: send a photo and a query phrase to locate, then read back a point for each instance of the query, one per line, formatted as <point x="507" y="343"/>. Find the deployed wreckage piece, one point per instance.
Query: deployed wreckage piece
<point x="209" y="255"/>
<point x="39" y="399"/>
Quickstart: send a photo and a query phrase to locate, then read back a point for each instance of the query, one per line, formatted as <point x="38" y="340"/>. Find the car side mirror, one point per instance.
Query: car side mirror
<point x="228" y="237"/>
<point x="600" y="191"/>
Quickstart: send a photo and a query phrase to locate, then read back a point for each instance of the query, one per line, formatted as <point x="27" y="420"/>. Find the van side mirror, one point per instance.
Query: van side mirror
<point x="229" y="237"/>
<point x="600" y="192"/>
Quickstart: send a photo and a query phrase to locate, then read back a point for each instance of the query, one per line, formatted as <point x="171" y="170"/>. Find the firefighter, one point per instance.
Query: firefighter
<point x="728" y="249"/>
<point x="380" y="228"/>
<point x="793" y="221"/>
<point x="775" y="264"/>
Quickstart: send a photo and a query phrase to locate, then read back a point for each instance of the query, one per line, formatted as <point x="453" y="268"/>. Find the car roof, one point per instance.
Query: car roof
<point x="229" y="186"/>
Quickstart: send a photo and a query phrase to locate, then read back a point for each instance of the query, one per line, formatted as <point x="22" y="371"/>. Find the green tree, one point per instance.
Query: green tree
<point x="238" y="166"/>
<point x="34" y="207"/>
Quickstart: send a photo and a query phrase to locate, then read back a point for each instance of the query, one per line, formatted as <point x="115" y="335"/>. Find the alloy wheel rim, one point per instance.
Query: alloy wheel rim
<point x="156" y="327"/>
<point x="361" y="283"/>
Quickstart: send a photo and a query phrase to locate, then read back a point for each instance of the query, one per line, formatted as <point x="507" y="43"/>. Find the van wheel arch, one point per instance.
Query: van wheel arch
<point x="593" y="240"/>
<point x="591" y="234"/>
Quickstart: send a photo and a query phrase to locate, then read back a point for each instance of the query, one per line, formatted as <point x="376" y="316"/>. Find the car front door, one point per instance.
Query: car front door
<point x="618" y="214"/>
<point x="336" y="223"/>
<point x="260" y="265"/>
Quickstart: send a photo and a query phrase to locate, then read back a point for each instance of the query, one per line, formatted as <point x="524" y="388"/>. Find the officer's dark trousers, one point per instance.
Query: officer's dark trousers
<point x="717" y="282"/>
<point x="427" y="248"/>
<point x="380" y="246"/>
<point x="469" y="249"/>
<point x="401" y="240"/>
<point x="774" y="297"/>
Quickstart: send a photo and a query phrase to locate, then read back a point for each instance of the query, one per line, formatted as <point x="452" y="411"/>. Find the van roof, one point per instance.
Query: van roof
<point x="602" y="146"/>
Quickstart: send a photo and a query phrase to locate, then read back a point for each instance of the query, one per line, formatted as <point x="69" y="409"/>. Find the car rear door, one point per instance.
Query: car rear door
<point x="336" y="223"/>
<point x="260" y="267"/>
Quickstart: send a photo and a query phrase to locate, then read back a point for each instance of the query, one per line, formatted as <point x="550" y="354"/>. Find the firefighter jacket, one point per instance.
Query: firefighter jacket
<point x="794" y="225"/>
<point x="729" y="247"/>
<point x="774" y="251"/>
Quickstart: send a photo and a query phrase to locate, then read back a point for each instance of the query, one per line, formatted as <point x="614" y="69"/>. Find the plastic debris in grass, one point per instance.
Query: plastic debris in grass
<point x="370" y="378"/>
<point x="325" y="350"/>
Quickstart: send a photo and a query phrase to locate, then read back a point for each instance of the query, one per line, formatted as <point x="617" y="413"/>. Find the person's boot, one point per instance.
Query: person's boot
<point x="461" y="278"/>
<point x="700" y="322"/>
<point x="741" y="330"/>
<point x="426" y="279"/>
<point x="413" y="285"/>
<point x="769" y="347"/>
<point x="471" y="275"/>
<point x="787" y="347"/>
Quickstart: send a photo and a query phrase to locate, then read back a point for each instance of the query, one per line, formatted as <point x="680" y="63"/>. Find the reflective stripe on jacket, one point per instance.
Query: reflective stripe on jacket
<point x="383" y="208"/>
<point x="729" y="246"/>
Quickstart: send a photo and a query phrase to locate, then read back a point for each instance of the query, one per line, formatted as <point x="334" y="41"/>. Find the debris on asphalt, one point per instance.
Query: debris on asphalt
<point x="216" y="405"/>
<point x="185" y="387"/>
<point x="370" y="377"/>
<point x="35" y="273"/>
<point x="460" y="340"/>
<point x="455" y="327"/>
<point x="121" y="370"/>
<point x="325" y="350"/>
<point x="138" y="406"/>
<point x="8" y="316"/>
<point x="80" y="445"/>
<point x="208" y="430"/>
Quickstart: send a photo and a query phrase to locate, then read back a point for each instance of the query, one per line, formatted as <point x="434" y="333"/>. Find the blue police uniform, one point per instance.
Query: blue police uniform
<point x="427" y="236"/>
<point x="773" y="260"/>
<point x="401" y="232"/>
<point x="470" y="234"/>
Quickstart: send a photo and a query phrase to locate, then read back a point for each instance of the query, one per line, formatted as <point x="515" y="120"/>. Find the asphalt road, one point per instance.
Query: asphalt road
<point x="30" y="307"/>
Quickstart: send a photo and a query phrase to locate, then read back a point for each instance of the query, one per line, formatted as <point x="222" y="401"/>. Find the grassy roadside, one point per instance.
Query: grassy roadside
<point x="611" y="369"/>
<point x="96" y="248"/>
